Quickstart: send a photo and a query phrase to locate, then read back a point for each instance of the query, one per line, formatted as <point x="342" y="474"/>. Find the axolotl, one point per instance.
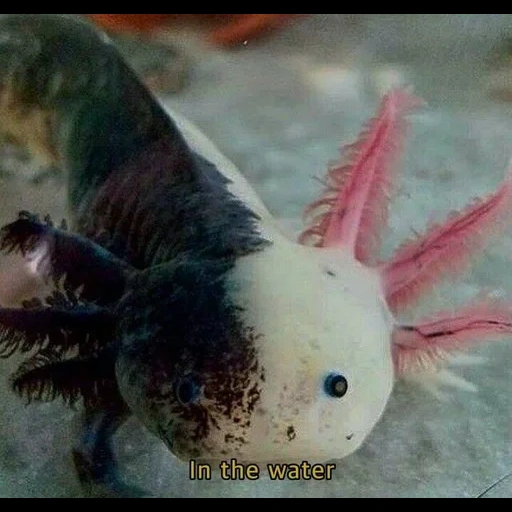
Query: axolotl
<point x="178" y="298"/>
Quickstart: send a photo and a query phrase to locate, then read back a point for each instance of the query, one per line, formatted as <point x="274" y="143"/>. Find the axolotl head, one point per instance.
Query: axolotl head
<point x="290" y="353"/>
<point x="285" y="357"/>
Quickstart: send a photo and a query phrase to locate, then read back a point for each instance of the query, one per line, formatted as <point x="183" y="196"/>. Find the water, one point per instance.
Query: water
<point x="280" y="109"/>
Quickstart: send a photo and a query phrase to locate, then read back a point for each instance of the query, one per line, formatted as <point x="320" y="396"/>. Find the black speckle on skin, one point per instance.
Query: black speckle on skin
<point x="204" y="337"/>
<point x="330" y="273"/>
<point x="291" y="434"/>
<point x="350" y="437"/>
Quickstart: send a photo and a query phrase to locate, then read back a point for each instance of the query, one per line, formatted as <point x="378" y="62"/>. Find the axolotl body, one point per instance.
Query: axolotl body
<point x="177" y="296"/>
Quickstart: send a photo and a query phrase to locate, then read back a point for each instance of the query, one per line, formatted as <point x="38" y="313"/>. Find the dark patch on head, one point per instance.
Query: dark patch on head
<point x="234" y="440"/>
<point x="178" y="321"/>
<point x="194" y="453"/>
<point x="254" y="397"/>
<point x="291" y="434"/>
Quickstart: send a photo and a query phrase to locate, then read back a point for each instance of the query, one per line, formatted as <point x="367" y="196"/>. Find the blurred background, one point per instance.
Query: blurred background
<point x="280" y="94"/>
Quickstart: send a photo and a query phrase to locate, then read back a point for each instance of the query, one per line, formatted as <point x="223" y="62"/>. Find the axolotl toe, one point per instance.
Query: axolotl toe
<point x="178" y="298"/>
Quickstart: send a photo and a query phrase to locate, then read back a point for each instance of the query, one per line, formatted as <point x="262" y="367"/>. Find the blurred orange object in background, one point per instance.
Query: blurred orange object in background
<point x="129" y="21"/>
<point x="228" y="29"/>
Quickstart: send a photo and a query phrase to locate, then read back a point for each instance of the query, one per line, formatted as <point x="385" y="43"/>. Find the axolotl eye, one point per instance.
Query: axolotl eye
<point x="187" y="390"/>
<point x="336" y="386"/>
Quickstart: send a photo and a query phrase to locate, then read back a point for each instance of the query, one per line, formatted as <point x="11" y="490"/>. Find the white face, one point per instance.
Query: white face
<point x="323" y="325"/>
<point x="311" y="384"/>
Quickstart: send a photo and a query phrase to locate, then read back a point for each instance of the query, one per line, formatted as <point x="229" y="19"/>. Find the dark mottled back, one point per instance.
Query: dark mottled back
<point x="134" y="184"/>
<point x="166" y="204"/>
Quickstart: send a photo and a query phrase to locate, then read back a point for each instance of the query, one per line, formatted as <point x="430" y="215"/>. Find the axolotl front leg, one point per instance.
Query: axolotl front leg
<point x="93" y="453"/>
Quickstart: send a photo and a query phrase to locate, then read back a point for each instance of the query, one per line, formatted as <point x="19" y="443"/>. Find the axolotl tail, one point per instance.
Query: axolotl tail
<point x="69" y="98"/>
